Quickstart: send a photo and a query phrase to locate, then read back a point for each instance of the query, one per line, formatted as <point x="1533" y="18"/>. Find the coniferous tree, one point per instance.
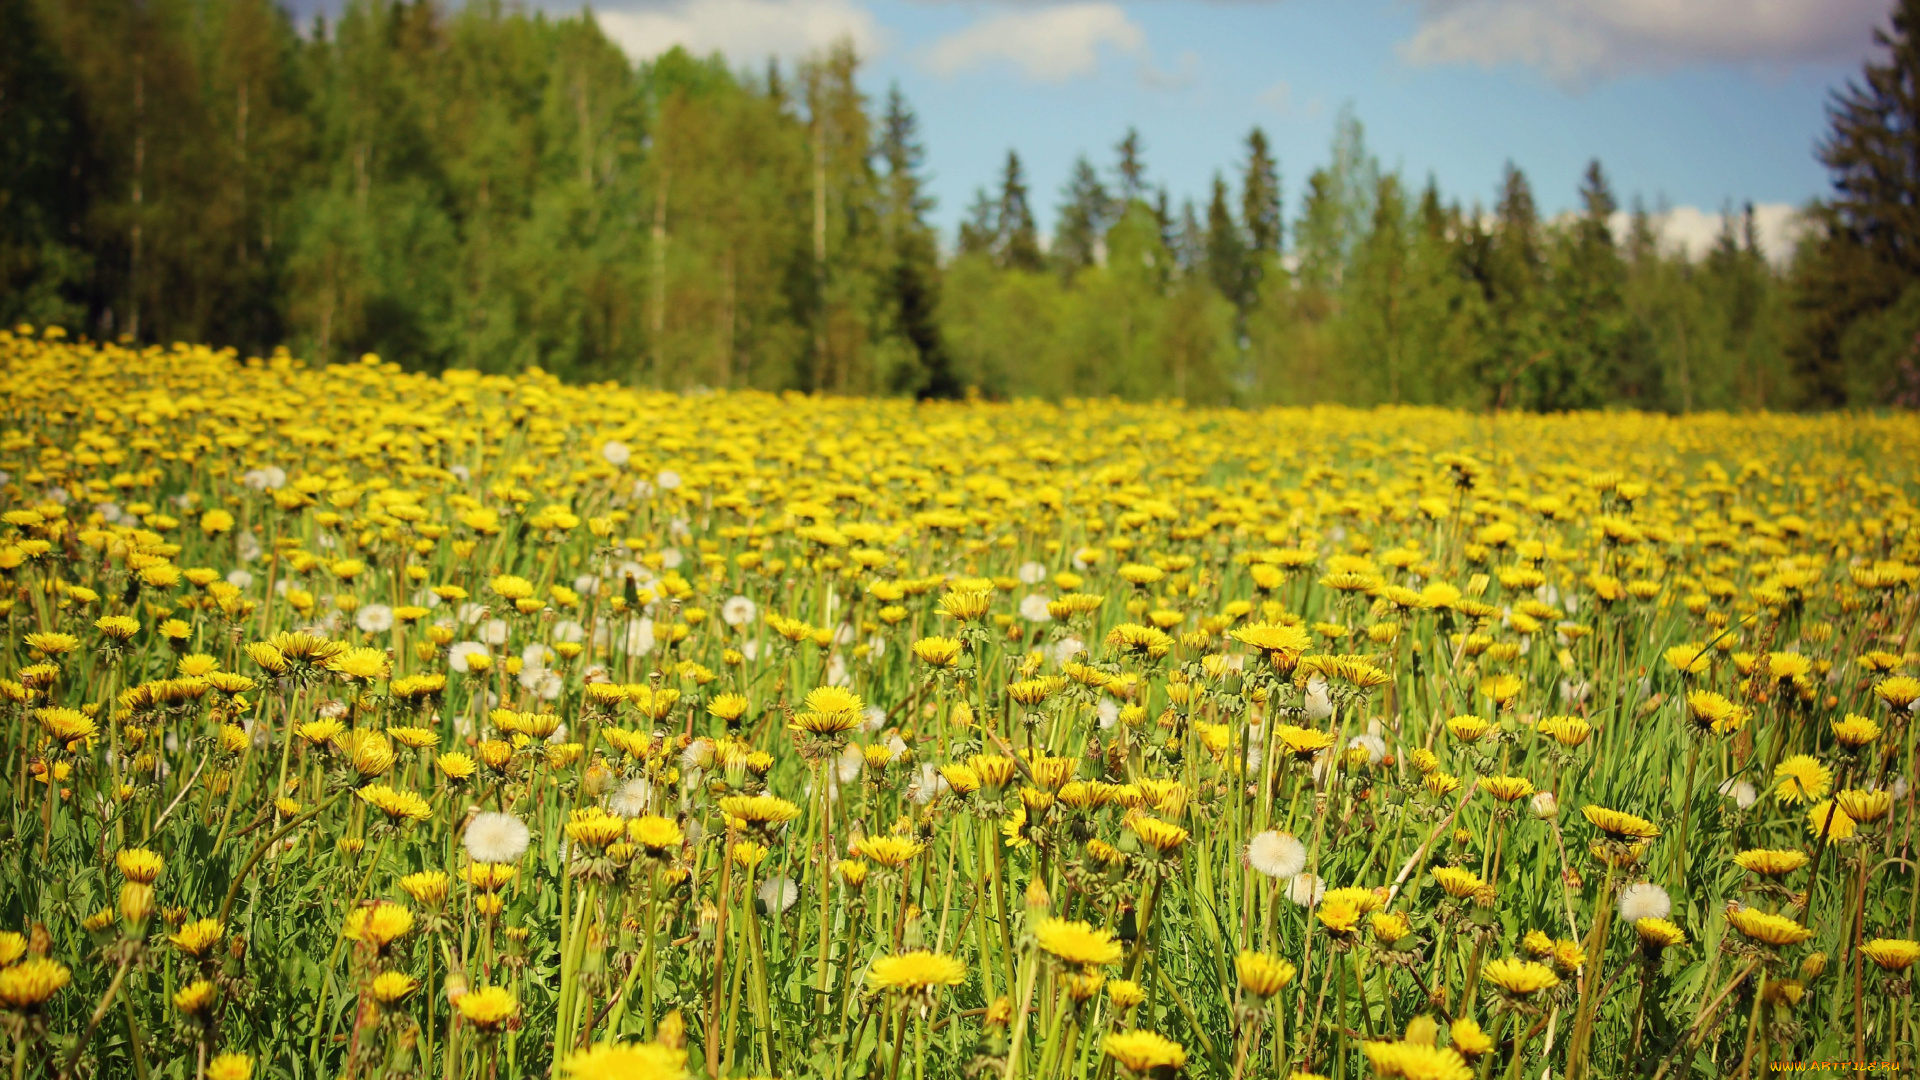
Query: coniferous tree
<point x="1441" y="309"/>
<point x="1379" y="290"/>
<point x="913" y="274"/>
<point x="1191" y="241"/>
<point x="978" y="232"/>
<point x="1338" y="206"/>
<point x="45" y="190"/>
<point x="1858" y="278"/>
<point x="1260" y="197"/>
<point x="1226" y="251"/>
<point x="1130" y="168"/>
<point x="474" y="186"/>
<point x="1510" y="266"/>
<point x="846" y="254"/>
<point x="1086" y="212"/>
<point x="1018" y="242"/>
<point x="1583" y="366"/>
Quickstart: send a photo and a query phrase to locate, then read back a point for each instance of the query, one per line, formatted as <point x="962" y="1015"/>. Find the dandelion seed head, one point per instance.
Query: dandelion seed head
<point x="497" y="838"/>
<point x="1276" y="854"/>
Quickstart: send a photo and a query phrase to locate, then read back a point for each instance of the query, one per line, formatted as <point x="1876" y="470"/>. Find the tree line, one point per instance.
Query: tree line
<point x="491" y="189"/>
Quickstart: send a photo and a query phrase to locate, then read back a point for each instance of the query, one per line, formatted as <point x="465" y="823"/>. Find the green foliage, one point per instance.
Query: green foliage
<point x="1858" y="336"/>
<point x="483" y="188"/>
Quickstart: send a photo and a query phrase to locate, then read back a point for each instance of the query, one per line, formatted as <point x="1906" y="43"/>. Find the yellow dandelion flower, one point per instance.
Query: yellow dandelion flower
<point x="1142" y="1052"/>
<point x="1077" y="942"/>
<point x="1892" y="954"/>
<point x="1618" y="824"/>
<point x="1769" y="862"/>
<point x="1520" y="978"/>
<point x="199" y="937"/>
<point x="30" y="983"/>
<point x="1801" y="778"/>
<point x="488" y="1008"/>
<point x="626" y="1061"/>
<point x="1416" y="1061"/>
<point x="1658" y="933"/>
<point x="1766" y="927"/>
<point x="230" y="1066"/>
<point x="920" y="969"/>
<point x="195" y="998"/>
<point x="378" y="924"/>
<point x="1261" y="975"/>
<point x="391" y="986"/>
<point x="139" y="864"/>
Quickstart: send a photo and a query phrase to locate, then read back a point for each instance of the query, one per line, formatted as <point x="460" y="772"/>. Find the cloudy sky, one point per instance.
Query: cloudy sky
<point x="1692" y="104"/>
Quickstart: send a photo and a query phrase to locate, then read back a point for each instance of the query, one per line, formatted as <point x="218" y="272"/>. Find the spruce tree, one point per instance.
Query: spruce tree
<point x="43" y="273"/>
<point x="979" y="231"/>
<point x="1086" y="212"/>
<point x="1191" y="241"/>
<point x="1510" y="266"/>
<point x="912" y="278"/>
<point x="1584" y="367"/>
<point x="1018" y="242"/>
<point x="1131" y="168"/>
<point x="1226" y="249"/>
<point x="1859" y="335"/>
<point x="1260" y="197"/>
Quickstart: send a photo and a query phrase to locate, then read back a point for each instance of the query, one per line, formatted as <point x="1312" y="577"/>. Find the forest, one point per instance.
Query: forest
<point x="482" y="187"/>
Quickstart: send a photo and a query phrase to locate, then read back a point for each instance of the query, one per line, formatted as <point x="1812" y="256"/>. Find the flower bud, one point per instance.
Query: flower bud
<point x="136" y="904"/>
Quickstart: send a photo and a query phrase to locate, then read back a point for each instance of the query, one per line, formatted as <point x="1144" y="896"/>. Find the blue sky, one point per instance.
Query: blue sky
<point x="1688" y="103"/>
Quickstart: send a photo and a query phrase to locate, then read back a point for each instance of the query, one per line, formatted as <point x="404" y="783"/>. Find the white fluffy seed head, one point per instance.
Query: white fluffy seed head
<point x="1306" y="889"/>
<point x="1276" y="854"/>
<point x="633" y="798"/>
<point x="497" y="838"/>
<point x="1319" y="702"/>
<point x="778" y="894"/>
<point x="738" y="611"/>
<point x="1644" y="901"/>
<point x="1374" y="745"/>
<point x="374" y="618"/>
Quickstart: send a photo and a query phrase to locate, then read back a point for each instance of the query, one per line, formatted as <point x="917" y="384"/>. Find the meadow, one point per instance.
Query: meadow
<point x="363" y="723"/>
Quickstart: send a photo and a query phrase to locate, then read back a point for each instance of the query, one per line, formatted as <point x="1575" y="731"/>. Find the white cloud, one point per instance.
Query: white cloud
<point x="1051" y="44"/>
<point x="1578" y="42"/>
<point x="1692" y="232"/>
<point x="1279" y="98"/>
<point x="746" y="31"/>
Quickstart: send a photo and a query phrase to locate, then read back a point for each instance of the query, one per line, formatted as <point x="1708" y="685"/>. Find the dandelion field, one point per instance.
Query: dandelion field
<point x="370" y="724"/>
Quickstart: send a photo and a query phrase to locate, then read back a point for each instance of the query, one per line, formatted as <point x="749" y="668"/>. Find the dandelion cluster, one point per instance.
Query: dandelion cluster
<point x="390" y="725"/>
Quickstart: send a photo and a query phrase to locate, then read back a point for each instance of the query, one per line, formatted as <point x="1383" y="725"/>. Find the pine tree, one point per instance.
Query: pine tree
<point x="1226" y="251"/>
<point x="1260" y="197"/>
<point x="1338" y="208"/>
<point x="1163" y="214"/>
<point x="913" y="276"/>
<point x="1378" y="291"/>
<point x="1583" y="367"/>
<point x="1508" y="263"/>
<point x="979" y="231"/>
<point x="1131" y="168"/>
<point x="1441" y="309"/>
<point x="776" y="85"/>
<point x="45" y="189"/>
<point x="1086" y="212"/>
<point x="1191" y="243"/>
<point x="1859" y="337"/>
<point x="1018" y="240"/>
<point x="1317" y="236"/>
